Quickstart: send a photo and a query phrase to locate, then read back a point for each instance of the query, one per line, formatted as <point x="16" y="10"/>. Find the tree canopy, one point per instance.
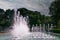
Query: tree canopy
<point x="35" y="17"/>
<point x="6" y="18"/>
<point x="55" y="11"/>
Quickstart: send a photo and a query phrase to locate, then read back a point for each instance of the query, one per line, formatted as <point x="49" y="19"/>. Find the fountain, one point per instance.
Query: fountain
<point x="20" y="26"/>
<point x="21" y="31"/>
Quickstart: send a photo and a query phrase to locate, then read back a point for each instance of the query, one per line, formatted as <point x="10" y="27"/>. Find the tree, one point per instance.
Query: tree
<point x="55" y="11"/>
<point x="9" y="16"/>
<point x="6" y="18"/>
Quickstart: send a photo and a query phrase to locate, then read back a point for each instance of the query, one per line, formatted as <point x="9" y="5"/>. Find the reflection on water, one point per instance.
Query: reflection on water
<point x="32" y="36"/>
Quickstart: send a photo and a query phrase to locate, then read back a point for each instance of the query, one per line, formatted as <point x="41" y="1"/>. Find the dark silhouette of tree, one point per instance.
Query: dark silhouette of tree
<point x="55" y="11"/>
<point x="9" y="15"/>
<point x="6" y="18"/>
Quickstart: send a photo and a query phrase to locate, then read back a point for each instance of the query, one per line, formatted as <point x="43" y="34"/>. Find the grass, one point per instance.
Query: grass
<point x="55" y="30"/>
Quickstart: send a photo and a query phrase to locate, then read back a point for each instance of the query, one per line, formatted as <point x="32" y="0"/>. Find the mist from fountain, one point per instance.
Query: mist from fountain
<point x="20" y="26"/>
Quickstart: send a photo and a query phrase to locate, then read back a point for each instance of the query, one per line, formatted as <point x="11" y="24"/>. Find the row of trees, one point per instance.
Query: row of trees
<point x="35" y="17"/>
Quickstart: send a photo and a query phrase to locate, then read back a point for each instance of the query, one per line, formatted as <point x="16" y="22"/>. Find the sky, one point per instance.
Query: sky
<point x="34" y="5"/>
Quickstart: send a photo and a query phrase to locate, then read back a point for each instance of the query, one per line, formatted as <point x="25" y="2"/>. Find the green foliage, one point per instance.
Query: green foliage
<point x="55" y="14"/>
<point x="6" y="18"/>
<point x="55" y="11"/>
<point x="35" y="17"/>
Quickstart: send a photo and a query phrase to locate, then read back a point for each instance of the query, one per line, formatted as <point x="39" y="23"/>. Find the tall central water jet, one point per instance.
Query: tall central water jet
<point x="20" y="26"/>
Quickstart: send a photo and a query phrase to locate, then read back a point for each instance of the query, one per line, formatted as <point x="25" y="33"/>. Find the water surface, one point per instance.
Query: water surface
<point x="32" y="36"/>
